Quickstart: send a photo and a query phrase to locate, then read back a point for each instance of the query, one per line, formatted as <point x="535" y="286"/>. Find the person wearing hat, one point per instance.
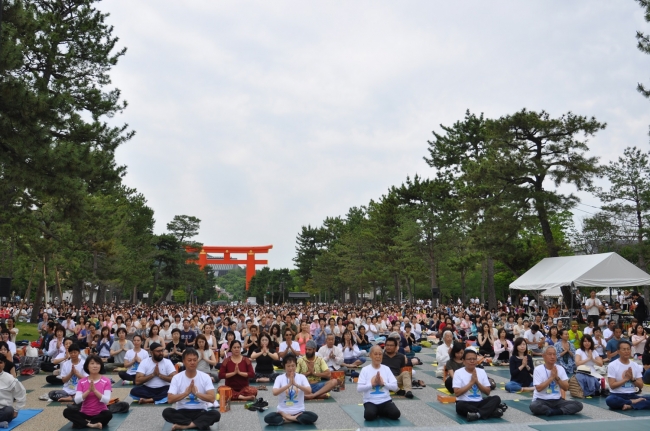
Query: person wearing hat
<point x="315" y="369"/>
<point x="153" y="377"/>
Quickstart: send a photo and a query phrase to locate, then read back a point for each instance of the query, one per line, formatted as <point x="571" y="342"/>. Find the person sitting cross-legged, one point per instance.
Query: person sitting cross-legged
<point x="624" y="376"/>
<point x="72" y="370"/>
<point x="132" y="360"/>
<point x="469" y="382"/>
<point x="375" y="382"/>
<point x="395" y="361"/>
<point x="93" y="393"/>
<point x="193" y="393"/>
<point x="11" y="390"/>
<point x="548" y="379"/>
<point x="153" y="376"/>
<point x="291" y="388"/>
<point x="315" y="369"/>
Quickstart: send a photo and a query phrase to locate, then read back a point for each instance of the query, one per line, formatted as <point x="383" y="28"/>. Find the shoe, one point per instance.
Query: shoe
<point x="409" y="395"/>
<point x="497" y="413"/>
<point x="471" y="417"/>
<point x="554" y="412"/>
<point x="400" y="393"/>
<point x="260" y="403"/>
<point x="4" y="424"/>
<point x="44" y="397"/>
<point x="503" y="407"/>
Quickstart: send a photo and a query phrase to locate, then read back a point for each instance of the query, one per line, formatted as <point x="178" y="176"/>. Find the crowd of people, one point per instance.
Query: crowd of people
<point x="179" y="354"/>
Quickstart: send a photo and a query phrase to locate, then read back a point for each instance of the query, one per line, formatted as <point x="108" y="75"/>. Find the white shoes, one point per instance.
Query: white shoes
<point x="44" y="397"/>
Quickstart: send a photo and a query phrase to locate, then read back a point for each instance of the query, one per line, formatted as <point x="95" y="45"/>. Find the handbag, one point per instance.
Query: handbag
<point x="575" y="389"/>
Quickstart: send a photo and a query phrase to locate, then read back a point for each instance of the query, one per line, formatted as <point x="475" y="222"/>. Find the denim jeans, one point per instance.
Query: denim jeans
<point x="646" y="377"/>
<point x="513" y="387"/>
<point x="617" y="401"/>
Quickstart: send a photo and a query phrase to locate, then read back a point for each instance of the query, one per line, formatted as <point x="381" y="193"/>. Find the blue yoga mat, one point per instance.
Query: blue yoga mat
<point x="23" y="416"/>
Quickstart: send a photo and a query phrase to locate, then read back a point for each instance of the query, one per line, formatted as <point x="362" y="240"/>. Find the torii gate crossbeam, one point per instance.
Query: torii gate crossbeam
<point x="227" y="251"/>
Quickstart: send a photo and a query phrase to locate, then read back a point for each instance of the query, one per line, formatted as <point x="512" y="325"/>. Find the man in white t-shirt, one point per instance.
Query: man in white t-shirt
<point x="624" y="376"/>
<point x="535" y="340"/>
<point x="332" y="354"/>
<point x="289" y="346"/>
<point x="593" y="306"/>
<point x="375" y="383"/>
<point x="72" y="370"/>
<point x="608" y="333"/>
<point x="153" y="377"/>
<point x="193" y="393"/>
<point x="548" y="379"/>
<point x="290" y="388"/>
<point x="469" y="383"/>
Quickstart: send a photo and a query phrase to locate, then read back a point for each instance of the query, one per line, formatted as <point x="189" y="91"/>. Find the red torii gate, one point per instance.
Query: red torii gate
<point x="250" y="261"/>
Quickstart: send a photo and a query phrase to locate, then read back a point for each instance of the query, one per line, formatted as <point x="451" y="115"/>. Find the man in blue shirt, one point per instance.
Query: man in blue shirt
<point x="187" y="335"/>
<point x="612" y="344"/>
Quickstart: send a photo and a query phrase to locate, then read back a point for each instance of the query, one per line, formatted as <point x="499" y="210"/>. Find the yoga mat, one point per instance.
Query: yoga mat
<point x="289" y="426"/>
<point x="444" y="391"/>
<point x="600" y="402"/>
<point x="501" y="372"/>
<point x="449" y="410"/>
<point x="113" y="425"/>
<point x="402" y="397"/>
<point x="23" y="416"/>
<point x="522" y="406"/>
<point x="136" y="404"/>
<point x="356" y="413"/>
<point x="22" y="379"/>
<point x="58" y="404"/>
<point x="430" y="373"/>
<point x="622" y="425"/>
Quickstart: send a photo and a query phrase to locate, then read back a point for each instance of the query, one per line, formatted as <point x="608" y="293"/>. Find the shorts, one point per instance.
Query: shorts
<point x="315" y="387"/>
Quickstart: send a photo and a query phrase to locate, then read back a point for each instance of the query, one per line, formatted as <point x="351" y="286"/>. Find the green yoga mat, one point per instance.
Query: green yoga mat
<point x="522" y="406"/>
<point x="499" y="371"/>
<point x="288" y="426"/>
<point x="113" y="425"/>
<point x="356" y="413"/>
<point x="449" y="410"/>
<point x="320" y="400"/>
<point x="600" y="402"/>
<point x="623" y="425"/>
<point x="58" y="404"/>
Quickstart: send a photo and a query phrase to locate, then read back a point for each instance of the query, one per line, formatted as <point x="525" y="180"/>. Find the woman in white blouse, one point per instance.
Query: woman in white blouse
<point x="442" y="354"/>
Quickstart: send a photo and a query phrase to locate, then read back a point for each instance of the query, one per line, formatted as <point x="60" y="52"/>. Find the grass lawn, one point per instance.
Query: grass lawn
<point x="27" y="331"/>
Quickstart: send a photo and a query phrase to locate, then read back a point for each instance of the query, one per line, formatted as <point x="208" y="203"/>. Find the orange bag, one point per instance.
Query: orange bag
<point x="225" y="395"/>
<point x="340" y="376"/>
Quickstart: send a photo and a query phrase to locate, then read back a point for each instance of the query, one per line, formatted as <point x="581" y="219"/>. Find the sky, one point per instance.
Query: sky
<point x="262" y="117"/>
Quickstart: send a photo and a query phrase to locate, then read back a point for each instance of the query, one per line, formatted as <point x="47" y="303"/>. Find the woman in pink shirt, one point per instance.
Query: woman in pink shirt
<point x="93" y="393"/>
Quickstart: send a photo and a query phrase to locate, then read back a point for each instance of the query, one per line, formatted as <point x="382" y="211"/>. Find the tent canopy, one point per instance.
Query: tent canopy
<point x="594" y="270"/>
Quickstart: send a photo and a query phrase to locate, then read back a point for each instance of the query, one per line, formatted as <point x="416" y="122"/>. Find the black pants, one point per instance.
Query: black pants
<point x="126" y="376"/>
<point x="305" y="418"/>
<point x="203" y="419"/>
<point x="6" y="414"/>
<point x="144" y="391"/>
<point x="387" y="410"/>
<point x="54" y="380"/>
<point x="448" y="385"/>
<point x="486" y="407"/>
<point x="81" y="420"/>
<point x="594" y="319"/>
<point x="504" y="356"/>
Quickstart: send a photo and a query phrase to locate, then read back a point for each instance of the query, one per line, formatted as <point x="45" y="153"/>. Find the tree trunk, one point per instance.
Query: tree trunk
<point x="38" y="302"/>
<point x="101" y="294"/>
<point x="435" y="290"/>
<point x="492" y="297"/>
<point x="398" y="288"/>
<point x="165" y="293"/>
<point x="463" y="286"/>
<point x="28" y="293"/>
<point x="483" y="282"/>
<point x="77" y="293"/>
<point x="57" y="280"/>
<point x="134" y="299"/>
<point x="547" y="233"/>
<point x="409" y="289"/>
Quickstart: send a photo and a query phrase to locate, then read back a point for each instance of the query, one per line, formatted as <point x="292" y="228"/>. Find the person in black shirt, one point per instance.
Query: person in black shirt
<point x="264" y="358"/>
<point x="521" y="368"/>
<point x="174" y="349"/>
<point x="5" y="356"/>
<point x="395" y="361"/>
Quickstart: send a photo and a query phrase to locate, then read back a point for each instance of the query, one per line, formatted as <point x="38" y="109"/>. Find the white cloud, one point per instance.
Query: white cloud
<point x="260" y="117"/>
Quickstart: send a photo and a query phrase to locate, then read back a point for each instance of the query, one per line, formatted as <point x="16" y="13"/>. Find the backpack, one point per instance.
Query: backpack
<point x="575" y="389"/>
<point x="118" y="407"/>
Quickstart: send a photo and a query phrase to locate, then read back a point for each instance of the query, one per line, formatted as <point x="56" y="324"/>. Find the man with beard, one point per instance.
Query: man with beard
<point x="153" y="377"/>
<point x="315" y="368"/>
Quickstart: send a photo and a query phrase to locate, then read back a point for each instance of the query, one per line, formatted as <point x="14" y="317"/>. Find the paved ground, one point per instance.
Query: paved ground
<point x="333" y="417"/>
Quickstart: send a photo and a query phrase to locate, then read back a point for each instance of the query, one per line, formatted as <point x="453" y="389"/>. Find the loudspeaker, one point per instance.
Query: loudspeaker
<point x="435" y="293"/>
<point x="5" y="287"/>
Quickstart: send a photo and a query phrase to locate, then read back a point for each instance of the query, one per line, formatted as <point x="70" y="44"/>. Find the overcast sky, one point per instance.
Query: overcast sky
<point x="261" y="117"/>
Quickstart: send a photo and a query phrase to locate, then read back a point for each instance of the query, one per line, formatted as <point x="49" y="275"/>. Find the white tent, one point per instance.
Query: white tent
<point x="594" y="270"/>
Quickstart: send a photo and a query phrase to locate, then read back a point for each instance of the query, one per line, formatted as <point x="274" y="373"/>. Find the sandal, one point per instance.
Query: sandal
<point x="422" y="384"/>
<point x="262" y="388"/>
